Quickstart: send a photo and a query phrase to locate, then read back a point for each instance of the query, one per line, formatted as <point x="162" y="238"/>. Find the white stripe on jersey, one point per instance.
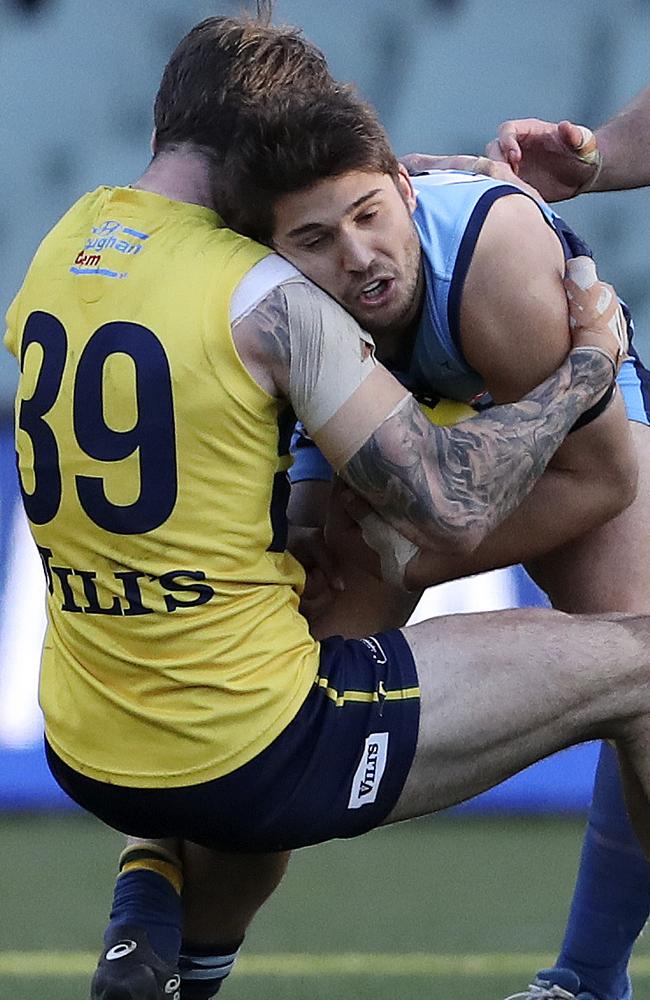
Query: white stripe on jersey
<point x="438" y="178"/>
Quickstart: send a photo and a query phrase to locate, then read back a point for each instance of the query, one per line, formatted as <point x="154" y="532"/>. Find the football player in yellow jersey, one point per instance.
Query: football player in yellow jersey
<point x="159" y="352"/>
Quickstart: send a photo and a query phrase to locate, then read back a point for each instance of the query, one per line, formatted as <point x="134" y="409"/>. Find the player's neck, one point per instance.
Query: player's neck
<point x="180" y="176"/>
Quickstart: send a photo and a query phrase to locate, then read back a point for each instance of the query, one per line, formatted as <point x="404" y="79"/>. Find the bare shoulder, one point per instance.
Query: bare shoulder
<point x="517" y="238"/>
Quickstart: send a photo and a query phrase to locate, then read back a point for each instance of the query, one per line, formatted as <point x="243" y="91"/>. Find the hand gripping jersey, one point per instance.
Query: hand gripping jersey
<point x="153" y="475"/>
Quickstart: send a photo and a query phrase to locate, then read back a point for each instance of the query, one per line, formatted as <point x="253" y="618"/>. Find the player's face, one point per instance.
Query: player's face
<point x="354" y="236"/>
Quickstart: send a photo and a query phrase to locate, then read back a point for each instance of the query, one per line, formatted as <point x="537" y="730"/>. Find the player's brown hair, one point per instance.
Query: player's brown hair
<point x="225" y="64"/>
<point x="292" y="140"/>
<point x="260" y="100"/>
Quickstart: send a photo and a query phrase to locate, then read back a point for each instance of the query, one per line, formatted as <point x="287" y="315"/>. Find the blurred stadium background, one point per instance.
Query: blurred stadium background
<point x="460" y="906"/>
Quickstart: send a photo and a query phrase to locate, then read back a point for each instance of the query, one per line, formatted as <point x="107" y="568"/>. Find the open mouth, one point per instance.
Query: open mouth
<point x="375" y="292"/>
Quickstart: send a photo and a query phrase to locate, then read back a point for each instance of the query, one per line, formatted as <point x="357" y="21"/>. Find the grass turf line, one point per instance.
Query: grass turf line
<point x="70" y="964"/>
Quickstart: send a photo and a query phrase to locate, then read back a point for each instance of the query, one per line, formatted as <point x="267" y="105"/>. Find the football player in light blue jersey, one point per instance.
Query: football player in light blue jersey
<point x="436" y="267"/>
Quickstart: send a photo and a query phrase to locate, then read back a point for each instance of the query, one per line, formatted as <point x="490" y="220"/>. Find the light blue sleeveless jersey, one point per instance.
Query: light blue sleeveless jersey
<point x="451" y="208"/>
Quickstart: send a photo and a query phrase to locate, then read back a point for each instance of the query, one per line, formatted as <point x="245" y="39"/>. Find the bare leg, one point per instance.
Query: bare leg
<point x="609" y="568"/>
<point x="638" y="803"/>
<point x="501" y="690"/>
<point x="498" y="691"/>
<point x="224" y="891"/>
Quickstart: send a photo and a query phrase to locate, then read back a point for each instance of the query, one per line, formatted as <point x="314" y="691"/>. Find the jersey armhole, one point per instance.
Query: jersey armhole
<point x="465" y="254"/>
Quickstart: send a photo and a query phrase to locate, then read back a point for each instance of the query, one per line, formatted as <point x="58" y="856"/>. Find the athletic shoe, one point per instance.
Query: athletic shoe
<point x="560" y="984"/>
<point x="553" y="984"/>
<point x="129" y="969"/>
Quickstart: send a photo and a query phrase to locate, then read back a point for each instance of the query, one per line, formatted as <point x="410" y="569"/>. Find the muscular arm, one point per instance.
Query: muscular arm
<point x="554" y="512"/>
<point x="561" y="160"/>
<point x="445" y="488"/>
<point x="514" y="330"/>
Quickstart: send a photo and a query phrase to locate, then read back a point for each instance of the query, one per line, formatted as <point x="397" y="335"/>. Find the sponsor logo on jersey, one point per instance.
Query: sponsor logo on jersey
<point x="110" y="235"/>
<point x="106" y="229"/>
<point x="88" y="259"/>
<point x="126" y="592"/>
<point x="376" y="650"/>
<point x="368" y="775"/>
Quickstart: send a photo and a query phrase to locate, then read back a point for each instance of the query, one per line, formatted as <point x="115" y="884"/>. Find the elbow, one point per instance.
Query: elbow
<point x="610" y="494"/>
<point x="619" y="481"/>
<point x="474" y="536"/>
<point x="630" y="488"/>
<point x="620" y="491"/>
<point x="453" y="540"/>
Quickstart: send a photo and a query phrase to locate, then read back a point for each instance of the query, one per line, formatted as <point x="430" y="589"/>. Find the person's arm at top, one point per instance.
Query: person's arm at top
<point x="444" y="488"/>
<point x="499" y="170"/>
<point x="562" y="159"/>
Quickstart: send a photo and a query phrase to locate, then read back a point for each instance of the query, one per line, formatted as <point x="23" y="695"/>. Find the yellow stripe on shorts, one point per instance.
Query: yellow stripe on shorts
<point x="341" y="697"/>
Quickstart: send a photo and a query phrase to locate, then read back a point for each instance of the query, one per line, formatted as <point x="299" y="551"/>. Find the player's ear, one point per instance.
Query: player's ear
<point x="405" y="188"/>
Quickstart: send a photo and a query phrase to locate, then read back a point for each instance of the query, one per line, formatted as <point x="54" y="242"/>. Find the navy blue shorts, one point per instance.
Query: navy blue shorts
<point x="337" y="770"/>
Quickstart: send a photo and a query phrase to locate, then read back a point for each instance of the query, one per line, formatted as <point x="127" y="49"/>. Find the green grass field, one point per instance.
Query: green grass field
<point x="442" y="909"/>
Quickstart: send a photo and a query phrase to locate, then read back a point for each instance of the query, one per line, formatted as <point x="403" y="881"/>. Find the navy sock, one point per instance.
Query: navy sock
<point x="148" y="900"/>
<point x="611" y="900"/>
<point x="204" y="969"/>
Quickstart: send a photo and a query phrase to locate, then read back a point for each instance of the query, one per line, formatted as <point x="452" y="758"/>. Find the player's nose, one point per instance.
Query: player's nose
<point x="356" y="254"/>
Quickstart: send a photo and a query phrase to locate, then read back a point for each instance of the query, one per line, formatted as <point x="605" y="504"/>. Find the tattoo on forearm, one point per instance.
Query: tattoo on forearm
<point x="436" y="483"/>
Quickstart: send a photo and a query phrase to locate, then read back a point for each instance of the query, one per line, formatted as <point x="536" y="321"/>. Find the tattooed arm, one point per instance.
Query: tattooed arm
<point x="441" y="487"/>
<point x="462" y="481"/>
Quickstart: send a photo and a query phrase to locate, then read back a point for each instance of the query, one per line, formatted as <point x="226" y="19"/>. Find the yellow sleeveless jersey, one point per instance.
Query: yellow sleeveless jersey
<point x="153" y="475"/>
